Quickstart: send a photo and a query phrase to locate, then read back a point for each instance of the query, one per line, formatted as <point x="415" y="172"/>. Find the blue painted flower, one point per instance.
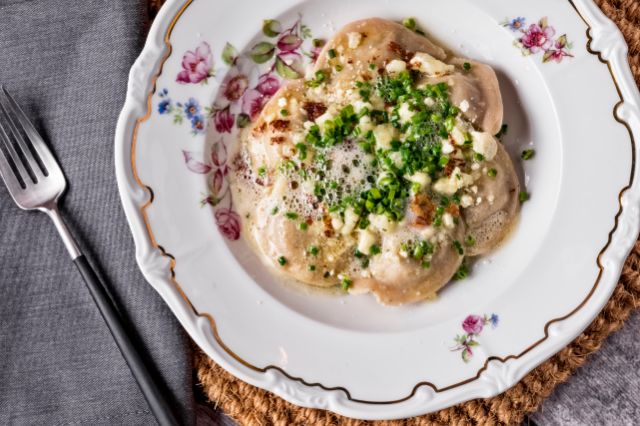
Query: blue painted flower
<point x="191" y="108"/>
<point x="197" y="123"/>
<point x="165" y="92"/>
<point x="164" y="106"/>
<point x="517" y="24"/>
<point x="493" y="320"/>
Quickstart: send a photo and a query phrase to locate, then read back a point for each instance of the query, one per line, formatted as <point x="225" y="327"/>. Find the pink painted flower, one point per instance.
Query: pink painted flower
<point x="253" y="102"/>
<point x="473" y="324"/>
<point x="194" y="165"/>
<point x="537" y="38"/>
<point x="268" y="85"/>
<point x="234" y="86"/>
<point x="219" y="153"/>
<point x="223" y="120"/>
<point x="228" y="223"/>
<point x="216" y="183"/>
<point x="197" y="66"/>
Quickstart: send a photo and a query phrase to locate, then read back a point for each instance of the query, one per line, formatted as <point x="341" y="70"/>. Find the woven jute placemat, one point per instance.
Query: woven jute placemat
<point x="249" y="405"/>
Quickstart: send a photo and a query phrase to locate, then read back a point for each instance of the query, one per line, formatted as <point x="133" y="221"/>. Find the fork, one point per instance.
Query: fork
<point x="36" y="182"/>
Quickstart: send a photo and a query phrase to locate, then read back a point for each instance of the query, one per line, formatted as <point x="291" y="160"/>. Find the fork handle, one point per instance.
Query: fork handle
<point x="158" y="404"/>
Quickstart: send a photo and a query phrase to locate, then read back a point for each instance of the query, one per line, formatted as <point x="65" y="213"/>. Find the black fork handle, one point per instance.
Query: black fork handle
<point x="158" y="404"/>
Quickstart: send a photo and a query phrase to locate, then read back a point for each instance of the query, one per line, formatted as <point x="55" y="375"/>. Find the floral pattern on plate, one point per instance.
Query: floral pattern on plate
<point x="539" y="38"/>
<point x="473" y="325"/>
<point x="197" y="65"/>
<point x="252" y="78"/>
<point x="190" y="110"/>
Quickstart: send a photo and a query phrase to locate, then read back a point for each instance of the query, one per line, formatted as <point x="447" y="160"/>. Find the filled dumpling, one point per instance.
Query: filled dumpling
<point x="379" y="172"/>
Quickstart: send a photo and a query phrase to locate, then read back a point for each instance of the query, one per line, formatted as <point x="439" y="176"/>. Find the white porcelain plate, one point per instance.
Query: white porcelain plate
<point x="208" y="67"/>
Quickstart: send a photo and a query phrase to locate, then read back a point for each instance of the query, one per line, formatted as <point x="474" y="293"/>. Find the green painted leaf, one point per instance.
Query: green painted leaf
<point x="305" y="31"/>
<point x="229" y="54"/>
<point x="262" y="52"/>
<point x="544" y="23"/>
<point x="473" y="343"/>
<point x="271" y="27"/>
<point x="466" y="355"/>
<point x="210" y="200"/>
<point x="547" y="56"/>
<point x="562" y="40"/>
<point x="285" y="71"/>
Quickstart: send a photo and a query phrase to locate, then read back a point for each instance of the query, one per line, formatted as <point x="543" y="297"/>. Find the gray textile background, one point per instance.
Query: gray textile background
<point x="605" y="391"/>
<point x="67" y="62"/>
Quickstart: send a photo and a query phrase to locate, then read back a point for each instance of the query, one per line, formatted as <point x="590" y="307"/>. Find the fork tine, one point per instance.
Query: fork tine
<point x="13" y="129"/>
<point x="8" y="176"/>
<point x="38" y="143"/>
<point x="6" y="169"/>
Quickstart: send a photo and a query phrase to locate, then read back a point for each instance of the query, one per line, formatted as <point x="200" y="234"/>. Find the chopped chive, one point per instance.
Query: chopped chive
<point x="320" y="77"/>
<point x="523" y="196"/>
<point x="312" y="268"/>
<point x="502" y="132"/>
<point x="303" y="226"/>
<point x="458" y="247"/>
<point x="274" y="210"/>
<point x="470" y="241"/>
<point x="528" y="154"/>
<point x="374" y="250"/>
<point x="338" y="67"/>
<point x="372" y="66"/>
<point x="317" y="42"/>
<point x="262" y="171"/>
<point x="426" y="264"/>
<point x="410" y="23"/>
<point x="466" y="66"/>
<point x="461" y="273"/>
<point x="291" y="215"/>
<point x="492" y="173"/>
<point x="449" y="123"/>
<point x="418" y="252"/>
<point x="313" y="250"/>
<point x="478" y="157"/>
<point x="346" y="283"/>
<point x="332" y="53"/>
<point x="284" y="112"/>
<point x="302" y="151"/>
<point x="282" y="261"/>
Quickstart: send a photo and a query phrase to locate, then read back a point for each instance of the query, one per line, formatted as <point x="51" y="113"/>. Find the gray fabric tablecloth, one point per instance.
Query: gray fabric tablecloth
<point x="66" y="62"/>
<point x="606" y="390"/>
